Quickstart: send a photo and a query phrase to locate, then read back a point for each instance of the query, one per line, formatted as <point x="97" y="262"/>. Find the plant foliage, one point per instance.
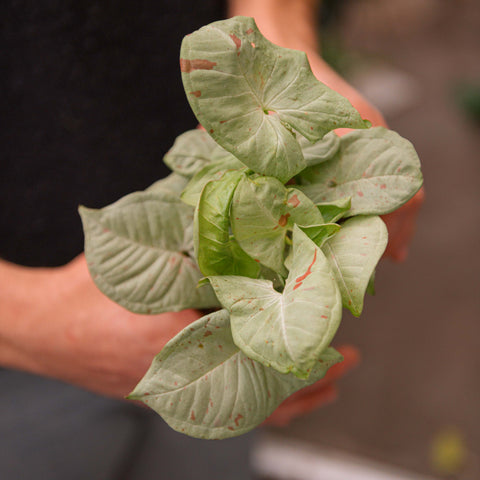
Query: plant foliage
<point x="279" y="259"/>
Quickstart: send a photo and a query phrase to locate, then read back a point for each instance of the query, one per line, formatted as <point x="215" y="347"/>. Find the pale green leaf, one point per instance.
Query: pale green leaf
<point x="249" y="94"/>
<point x="216" y="251"/>
<point x="136" y="251"/>
<point x="263" y="210"/>
<point x="243" y="264"/>
<point x="173" y="183"/>
<point x="377" y="168"/>
<point x="287" y="331"/>
<point x="321" y="151"/>
<point x="334" y="211"/>
<point x="192" y="151"/>
<point x="208" y="173"/>
<point x="320" y="233"/>
<point x="204" y="386"/>
<point x="371" y="284"/>
<point x="353" y="255"/>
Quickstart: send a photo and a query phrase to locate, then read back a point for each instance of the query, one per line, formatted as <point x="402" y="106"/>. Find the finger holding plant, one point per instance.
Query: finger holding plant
<point x="268" y="215"/>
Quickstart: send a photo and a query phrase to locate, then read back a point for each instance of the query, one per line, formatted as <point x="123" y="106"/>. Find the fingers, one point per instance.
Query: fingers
<point x="401" y="227"/>
<point x="317" y="395"/>
<point x="351" y="358"/>
<point x="284" y="414"/>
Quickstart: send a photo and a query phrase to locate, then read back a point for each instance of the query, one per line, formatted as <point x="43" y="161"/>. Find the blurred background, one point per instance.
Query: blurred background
<point x="414" y="402"/>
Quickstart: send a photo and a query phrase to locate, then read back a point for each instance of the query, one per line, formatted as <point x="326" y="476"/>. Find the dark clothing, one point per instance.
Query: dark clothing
<point x="91" y="99"/>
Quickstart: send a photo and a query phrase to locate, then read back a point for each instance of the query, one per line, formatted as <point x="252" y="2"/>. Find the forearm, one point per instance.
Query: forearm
<point x="19" y="289"/>
<point x="55" y="322"/>
<point x="35" y="322"/>
<point x="287" y="23"/>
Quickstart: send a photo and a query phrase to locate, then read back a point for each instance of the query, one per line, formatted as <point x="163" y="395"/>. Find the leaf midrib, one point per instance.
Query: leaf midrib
<point x="191" y="382"/>
<point x="136" y="242"/>
<point x="333" y="257"/>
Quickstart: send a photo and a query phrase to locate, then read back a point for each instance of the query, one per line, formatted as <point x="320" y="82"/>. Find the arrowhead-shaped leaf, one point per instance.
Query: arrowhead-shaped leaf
<point x="287" y="331"/>
<point x="263" y="210"/>
<point x="193" y="150"/>
<point x="204" y="386"/>
<point x="377" y="168"/>
<point x="136" y="252"/>
<point x="353" y="255"/>
<point x="216" y="251"/>
<point x="249" y="94"/>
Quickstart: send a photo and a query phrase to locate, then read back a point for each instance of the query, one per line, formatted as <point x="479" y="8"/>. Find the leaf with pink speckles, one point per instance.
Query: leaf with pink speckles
<point x="137" y="253"/>
<point x="287" y="331"/>
<point x="216" y="391"/>
<point x="377" y="168"/>
<point x="280" y="214"/>
<point x="256" y="95"/>
<point x="353" y="255"/>
<point x="193" y="150"/>
<point x="263" y="212"/>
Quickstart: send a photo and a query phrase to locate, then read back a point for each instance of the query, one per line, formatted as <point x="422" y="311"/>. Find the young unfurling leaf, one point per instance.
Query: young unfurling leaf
<point x="263" y="211"/>
<point x="217" y="252"/>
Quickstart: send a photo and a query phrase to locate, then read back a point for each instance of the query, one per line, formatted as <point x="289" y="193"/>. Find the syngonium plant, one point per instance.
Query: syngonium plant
<point x="268" y="217"/>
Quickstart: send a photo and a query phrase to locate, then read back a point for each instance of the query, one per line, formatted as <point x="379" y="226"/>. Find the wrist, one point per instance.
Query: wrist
<point x="285" y="23"/>
<point x="327" y="75"/>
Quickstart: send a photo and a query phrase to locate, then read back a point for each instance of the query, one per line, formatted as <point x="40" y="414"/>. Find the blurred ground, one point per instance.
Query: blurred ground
<point x="420" y="335"/>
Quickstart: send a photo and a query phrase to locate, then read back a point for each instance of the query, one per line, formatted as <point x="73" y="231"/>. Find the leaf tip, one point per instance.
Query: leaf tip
<point x="86" y="213"/>
<point x="82" y="209"/>
<point x="132" y="396"/>
<point x="203" y="281"/>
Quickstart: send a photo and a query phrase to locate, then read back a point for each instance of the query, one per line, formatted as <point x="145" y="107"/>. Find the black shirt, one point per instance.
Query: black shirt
<point x="91" y="100"/>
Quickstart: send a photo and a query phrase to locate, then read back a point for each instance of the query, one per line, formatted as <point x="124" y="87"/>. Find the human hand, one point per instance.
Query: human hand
<point x="65" y="328"/>
<point x="317" y="395"/>
<point x="401" y="227"/>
